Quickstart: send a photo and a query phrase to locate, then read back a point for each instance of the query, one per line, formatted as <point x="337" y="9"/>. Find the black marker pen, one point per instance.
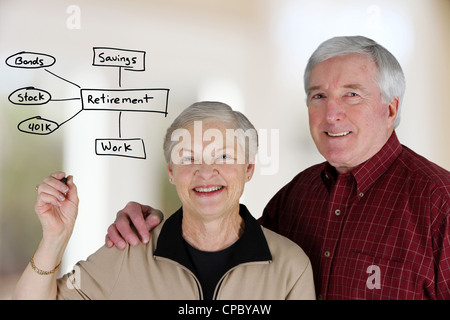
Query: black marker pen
<point x="65" y="182"/>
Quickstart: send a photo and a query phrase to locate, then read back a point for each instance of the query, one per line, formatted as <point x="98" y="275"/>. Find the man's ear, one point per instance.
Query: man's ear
<point x="393" y="110"/>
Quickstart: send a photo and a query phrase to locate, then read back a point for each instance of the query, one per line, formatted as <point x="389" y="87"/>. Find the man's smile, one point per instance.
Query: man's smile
<point x="339" y="134"/>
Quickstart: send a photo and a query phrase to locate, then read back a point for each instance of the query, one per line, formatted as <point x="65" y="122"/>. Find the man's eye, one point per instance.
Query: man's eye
<point x="318" y="96"/>
<point x="352" y="94"/>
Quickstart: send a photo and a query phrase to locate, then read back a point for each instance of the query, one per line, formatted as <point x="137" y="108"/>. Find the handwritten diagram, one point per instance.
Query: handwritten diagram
<point x="118" y="100"/>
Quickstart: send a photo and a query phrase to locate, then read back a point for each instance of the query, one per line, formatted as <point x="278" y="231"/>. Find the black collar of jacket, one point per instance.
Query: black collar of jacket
<point x="251" y="246"/>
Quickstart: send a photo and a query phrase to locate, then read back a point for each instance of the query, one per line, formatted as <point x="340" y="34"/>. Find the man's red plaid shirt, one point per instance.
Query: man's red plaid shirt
<point x="379" y="232"/>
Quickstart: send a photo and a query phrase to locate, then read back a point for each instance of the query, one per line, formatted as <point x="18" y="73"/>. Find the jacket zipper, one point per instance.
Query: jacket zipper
<point x="219" y="284"/>
<point x="199" y="287"/>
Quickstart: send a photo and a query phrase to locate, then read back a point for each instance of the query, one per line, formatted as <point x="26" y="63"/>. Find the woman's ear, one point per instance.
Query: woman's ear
<point x="170" y="173"/>
<point x="249" y="171"/>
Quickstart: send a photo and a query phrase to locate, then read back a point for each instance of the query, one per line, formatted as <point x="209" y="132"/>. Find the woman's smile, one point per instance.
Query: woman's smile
<point x="208" y="189"/>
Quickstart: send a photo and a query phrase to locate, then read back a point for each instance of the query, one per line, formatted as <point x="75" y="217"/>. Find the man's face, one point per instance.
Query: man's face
<point x="348" y="122"/>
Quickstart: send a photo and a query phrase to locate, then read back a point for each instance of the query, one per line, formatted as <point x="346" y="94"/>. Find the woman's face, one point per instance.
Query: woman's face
<point x="207" y="174"/>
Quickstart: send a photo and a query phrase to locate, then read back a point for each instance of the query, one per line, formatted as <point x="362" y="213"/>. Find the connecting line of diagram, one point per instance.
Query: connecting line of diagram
<point x="121" y="100"/>
<point x="67" y="99"/>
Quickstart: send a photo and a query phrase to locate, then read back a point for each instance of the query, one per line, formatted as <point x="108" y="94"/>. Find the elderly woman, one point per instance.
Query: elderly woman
<point x="211" y="248"/>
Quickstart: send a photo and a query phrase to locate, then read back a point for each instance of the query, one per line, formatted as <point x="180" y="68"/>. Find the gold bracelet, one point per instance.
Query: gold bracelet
<point x="42" y="272"/>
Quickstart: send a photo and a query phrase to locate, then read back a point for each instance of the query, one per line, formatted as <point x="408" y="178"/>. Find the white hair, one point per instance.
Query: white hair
<point x="208" y="111"/>
<point x="390" y="80"/>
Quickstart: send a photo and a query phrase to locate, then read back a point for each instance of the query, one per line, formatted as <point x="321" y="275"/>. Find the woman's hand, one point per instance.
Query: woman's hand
<point x="57" y="206"/>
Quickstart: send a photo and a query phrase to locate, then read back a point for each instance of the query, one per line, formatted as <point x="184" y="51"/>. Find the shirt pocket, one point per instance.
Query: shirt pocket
<point x="384" y="277"/>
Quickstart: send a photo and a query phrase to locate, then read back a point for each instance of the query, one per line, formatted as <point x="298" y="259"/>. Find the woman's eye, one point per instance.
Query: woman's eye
<point x="223" y="158"/>
<point x="188" y="160"/>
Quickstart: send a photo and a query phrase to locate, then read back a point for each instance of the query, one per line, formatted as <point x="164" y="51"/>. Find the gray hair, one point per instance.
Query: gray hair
<point x="390" y="80"/>
<point x="210" y="111"/>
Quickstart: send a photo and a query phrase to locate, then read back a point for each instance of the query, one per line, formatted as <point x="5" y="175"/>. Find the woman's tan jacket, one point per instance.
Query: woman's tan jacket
<point x="265" y="266"/>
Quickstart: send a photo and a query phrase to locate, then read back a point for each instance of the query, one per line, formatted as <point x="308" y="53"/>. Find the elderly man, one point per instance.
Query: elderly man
<point x="373" y="218"/>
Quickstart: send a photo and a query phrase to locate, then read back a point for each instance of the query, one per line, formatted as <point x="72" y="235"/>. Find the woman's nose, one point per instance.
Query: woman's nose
<point x="207" y="171"/>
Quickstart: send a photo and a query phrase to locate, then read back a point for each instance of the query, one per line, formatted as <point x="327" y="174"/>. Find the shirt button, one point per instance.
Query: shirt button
<point x="327" y="254"/>
<point x="361" y="194"/>
<point x="337" y="212"/>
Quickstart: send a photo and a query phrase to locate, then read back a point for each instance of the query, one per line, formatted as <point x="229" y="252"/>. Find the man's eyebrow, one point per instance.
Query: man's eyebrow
<point x="314" y="88"/>
<point x="354" y="86"/>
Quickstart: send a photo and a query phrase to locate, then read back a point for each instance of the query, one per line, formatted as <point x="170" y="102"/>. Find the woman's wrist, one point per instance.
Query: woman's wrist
<point x="49" y="254"/>
<point x="43" y="272"/>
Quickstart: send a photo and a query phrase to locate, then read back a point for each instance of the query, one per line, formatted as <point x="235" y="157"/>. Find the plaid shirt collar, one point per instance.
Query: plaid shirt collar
<point x="368" y="172"/>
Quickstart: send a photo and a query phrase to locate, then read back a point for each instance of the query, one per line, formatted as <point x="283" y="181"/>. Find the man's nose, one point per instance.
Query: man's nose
<point x="335" y="110"/>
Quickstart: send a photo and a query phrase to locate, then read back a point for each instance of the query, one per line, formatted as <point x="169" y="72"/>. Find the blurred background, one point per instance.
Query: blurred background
<point x="250" y="54"/>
